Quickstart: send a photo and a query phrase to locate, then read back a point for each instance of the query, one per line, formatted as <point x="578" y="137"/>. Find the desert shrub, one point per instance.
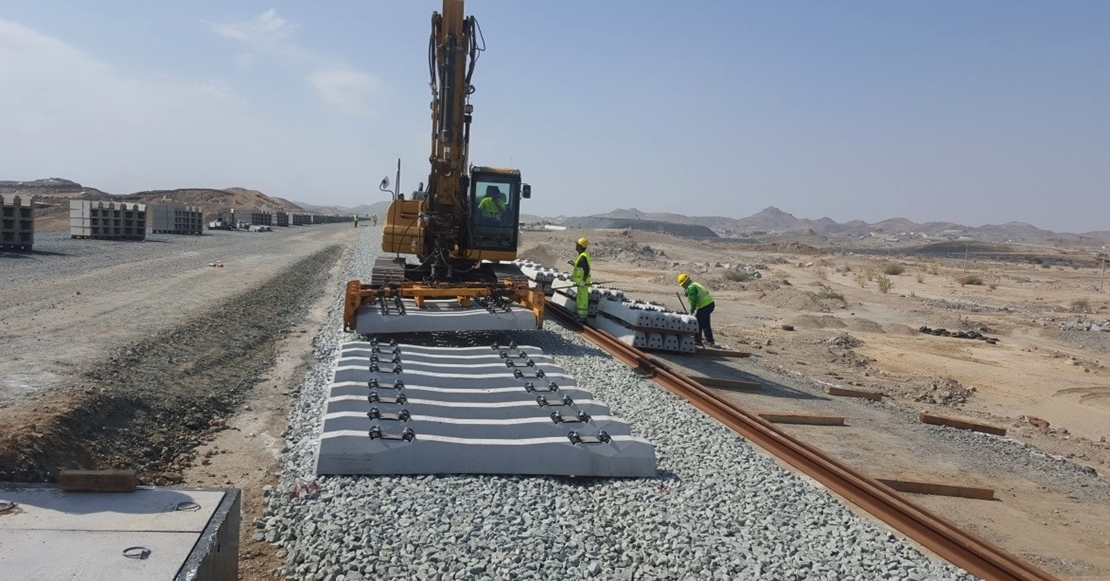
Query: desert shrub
<point x="972" y="279"/>
<point x="885" y="284"/>
<point x="992" y="286"/>
<point x="1081" y="306"/>
<point x="933" y="270"/>
<point x="893" y="269"/>
<point x="861" y="279"/>
<point x="737" y="276"/>
<point x="827" y="292"/>
<point x="920" y="278"/>
<point x="821" y="273"/>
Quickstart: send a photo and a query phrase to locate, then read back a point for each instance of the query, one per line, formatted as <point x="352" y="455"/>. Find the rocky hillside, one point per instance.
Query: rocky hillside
<point x="601" y="222"/>
<point x="773" y="222"/>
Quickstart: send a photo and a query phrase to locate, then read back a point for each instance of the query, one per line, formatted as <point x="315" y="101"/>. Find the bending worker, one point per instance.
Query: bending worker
<point x="580" y="276"/>
<point x="701" y="306"/>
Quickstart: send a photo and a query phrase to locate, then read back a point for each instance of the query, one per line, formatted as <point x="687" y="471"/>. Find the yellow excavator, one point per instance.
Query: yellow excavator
<point x="462" y="228"/>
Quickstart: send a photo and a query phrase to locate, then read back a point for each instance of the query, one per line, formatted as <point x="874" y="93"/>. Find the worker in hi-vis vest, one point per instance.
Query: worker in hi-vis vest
<point x="701" y="306"/>
<point x="580" y="276"/>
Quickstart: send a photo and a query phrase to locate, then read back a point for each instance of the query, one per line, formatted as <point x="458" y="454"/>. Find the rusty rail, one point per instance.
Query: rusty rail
<point x="959" y="547"/>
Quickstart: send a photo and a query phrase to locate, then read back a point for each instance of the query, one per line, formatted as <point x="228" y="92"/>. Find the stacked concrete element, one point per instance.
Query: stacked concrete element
<point x="259" y="218"/>
<point x="280" y="218"/>
<point x="408" y="409"/>
<point x="150" y="533"/>
<point x="107" y="220"/>
<point x="176" y="219"/>
<point x="17" y="223"/>
<point x="640" y="324"/>
<point x="301" y="219"/>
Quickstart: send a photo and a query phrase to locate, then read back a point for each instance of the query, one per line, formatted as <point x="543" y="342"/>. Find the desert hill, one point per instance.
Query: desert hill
<point x="52" y="198"/>
<point x="772" y="223"/>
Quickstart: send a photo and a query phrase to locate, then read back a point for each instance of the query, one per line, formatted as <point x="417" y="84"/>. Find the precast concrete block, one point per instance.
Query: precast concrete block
<point x="407" y="409"/>
<point x="686" y="344"/>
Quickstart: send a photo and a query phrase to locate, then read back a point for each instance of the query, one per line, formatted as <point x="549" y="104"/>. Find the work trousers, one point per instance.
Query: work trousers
<point x="582" y="301"/>
<point x="704" y="327"/>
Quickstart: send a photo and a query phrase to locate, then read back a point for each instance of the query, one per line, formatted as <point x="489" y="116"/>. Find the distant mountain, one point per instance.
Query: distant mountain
<point x="379" y="208"/>
<point x="773" y="221"/>
<point x="52" y="196"/>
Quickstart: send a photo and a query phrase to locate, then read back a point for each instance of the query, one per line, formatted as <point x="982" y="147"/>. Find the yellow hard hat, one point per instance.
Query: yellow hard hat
<point x="583" y="242"/>
<point x="682" y="278"/>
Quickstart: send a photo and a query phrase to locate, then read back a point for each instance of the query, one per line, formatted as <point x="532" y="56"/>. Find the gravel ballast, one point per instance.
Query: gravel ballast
<point x="718" y="508"/>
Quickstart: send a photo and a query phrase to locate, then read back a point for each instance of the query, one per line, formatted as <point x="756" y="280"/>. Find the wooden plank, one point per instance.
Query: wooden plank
<point x="873" y="395"/>
<point x="721" y="352"/>
<point x="98" y="480"/>
<point x="729" y="383"/>
<point x="961" y="424"/>
<point x="939" y="489"/>
<point x="810" y="419"/>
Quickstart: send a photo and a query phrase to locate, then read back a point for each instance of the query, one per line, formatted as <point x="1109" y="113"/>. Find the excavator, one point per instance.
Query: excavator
<point x="462" y="228"/>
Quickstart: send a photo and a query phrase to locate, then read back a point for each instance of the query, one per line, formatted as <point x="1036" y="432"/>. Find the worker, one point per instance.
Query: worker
<point x="581" y="278"/>
<point x="373" y="219"/>
<point x="356" y="220"/>
<point x="701" y="306"/>
<point x="492" y="206"/>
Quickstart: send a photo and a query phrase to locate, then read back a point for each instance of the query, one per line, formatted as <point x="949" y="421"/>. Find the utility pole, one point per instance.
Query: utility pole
<point x="1102" y="271"/>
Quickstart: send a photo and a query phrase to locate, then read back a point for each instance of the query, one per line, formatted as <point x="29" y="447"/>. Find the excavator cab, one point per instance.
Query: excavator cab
<point x="494" y="204"/>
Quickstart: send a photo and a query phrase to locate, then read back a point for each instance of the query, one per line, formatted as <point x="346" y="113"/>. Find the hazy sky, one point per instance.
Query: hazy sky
<point x="967" y="111"/>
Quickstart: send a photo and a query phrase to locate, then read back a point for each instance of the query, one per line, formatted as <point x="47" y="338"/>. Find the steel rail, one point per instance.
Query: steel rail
<point x="959" y="547"/>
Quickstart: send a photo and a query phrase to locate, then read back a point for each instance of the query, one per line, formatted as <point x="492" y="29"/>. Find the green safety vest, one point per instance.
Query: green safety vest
<point x="698" y="296"/>
<point x="582" y="275"/>
<point x="491" y="207"/>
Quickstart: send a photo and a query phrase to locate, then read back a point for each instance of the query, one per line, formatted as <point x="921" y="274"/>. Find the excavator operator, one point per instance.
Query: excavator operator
<point x="492" y="206"/>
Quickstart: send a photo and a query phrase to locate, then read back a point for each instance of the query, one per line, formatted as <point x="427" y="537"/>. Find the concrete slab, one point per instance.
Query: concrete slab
<point x="464" y="410"/>
<point x="145" y="509"/>
<point x="91" y="555"/>
<point x="152" y="533"/>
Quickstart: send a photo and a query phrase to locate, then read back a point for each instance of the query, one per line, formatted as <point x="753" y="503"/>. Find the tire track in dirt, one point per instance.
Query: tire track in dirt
<point x="148" y="406"/>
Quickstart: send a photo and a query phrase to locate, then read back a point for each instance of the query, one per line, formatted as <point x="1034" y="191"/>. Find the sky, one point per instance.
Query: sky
<point x="969" y="111"/>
